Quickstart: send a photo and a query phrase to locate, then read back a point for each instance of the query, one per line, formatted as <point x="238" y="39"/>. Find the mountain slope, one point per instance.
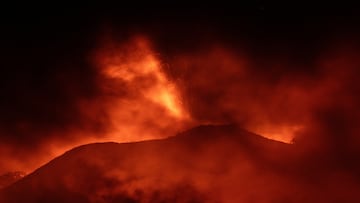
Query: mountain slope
<point x="10" y="177"/>
<point x="205" y="164"/>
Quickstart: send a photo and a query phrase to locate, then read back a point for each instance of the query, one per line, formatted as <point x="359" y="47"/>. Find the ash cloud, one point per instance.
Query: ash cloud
<point x="260" y="71"/>
<point x="290" y="85"/>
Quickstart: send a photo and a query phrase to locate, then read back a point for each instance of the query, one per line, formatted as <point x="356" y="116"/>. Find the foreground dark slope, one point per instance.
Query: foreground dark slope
<point x="205" y="164"/>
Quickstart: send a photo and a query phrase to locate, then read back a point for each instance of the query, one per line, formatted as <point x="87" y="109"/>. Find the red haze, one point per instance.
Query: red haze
<point x="140" y="92"/>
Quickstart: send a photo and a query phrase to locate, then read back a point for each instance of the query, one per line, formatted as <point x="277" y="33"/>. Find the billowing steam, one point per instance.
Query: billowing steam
<point x="132" y="99"/>
<point x="141" y="101"/>
<point x="134" y="90"/>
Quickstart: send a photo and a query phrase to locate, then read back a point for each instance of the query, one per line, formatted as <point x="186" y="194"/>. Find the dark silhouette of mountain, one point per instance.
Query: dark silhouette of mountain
<point x="205" y="164"/>
<point x="10" y="177"/>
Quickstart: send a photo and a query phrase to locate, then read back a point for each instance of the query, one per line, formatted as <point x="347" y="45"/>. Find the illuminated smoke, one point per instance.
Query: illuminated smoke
<point x="132" y="99"/>
<point x="149" y="105"/>
<point x="140" y="92"/>
<point x="221" y="86"/>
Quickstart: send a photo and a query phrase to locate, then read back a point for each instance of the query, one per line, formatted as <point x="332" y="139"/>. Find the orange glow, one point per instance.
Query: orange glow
<point x="137" y="102"/>
<point x="275" y="111"/>
<point x="152" y="103"/>
<point x="277" y="132"/>
<point x="142" y="63"/>
<point x="142" y="97"/>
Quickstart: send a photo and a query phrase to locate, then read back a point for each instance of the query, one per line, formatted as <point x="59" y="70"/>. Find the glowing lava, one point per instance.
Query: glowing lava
<point x="282" y="133"/>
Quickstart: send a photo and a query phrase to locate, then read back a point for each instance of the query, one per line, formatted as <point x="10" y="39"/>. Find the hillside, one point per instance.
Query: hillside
<point x="204" y="164"/>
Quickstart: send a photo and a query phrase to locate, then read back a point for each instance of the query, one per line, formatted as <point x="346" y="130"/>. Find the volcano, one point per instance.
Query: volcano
<point x="205" y="164"/>
<point x="10" y="177"/>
